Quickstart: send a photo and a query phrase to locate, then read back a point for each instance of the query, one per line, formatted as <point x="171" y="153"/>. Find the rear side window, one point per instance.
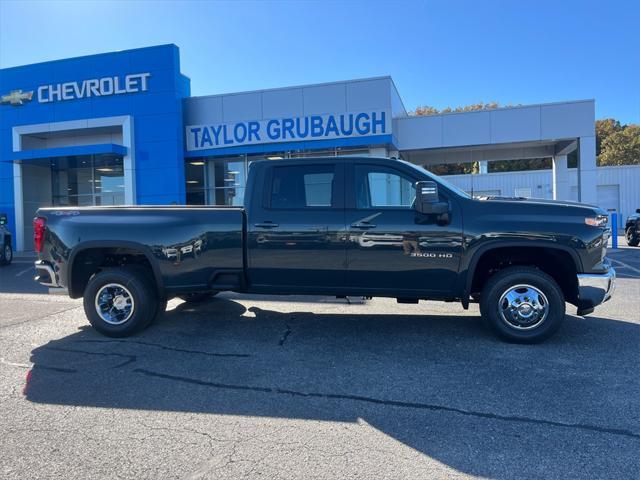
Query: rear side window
<point x="302" y="186"/>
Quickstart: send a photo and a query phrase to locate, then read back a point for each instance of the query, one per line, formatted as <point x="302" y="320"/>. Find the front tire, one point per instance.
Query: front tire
<point x="522" y="305"/>
<point x="6" y="255"/>
<point x="120" y="301"/>
<point x="633" y="239"/>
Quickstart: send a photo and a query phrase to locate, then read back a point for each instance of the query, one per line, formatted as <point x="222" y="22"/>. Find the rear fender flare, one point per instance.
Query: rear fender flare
<point x="146" y="251"/>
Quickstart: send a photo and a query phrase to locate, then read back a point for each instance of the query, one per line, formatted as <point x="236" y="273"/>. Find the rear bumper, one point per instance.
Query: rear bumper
<point x="45" y="275"/>
<point x="595" y="289"/>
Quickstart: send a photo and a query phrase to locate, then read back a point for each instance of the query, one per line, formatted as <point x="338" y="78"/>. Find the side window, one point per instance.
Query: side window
<point x="380" y="187"/>
<point x="302" y="186"/>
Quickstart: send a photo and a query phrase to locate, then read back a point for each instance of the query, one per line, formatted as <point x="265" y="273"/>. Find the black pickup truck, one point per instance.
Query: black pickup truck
<point x="335" y="226"/>
<point x="632" y="229"/>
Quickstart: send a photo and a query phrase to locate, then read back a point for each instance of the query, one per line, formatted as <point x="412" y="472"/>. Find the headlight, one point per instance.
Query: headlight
<point x="597" y="221"/>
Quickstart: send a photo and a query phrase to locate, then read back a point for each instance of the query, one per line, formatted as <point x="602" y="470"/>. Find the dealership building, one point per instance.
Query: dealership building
<point x="122" y="128"/>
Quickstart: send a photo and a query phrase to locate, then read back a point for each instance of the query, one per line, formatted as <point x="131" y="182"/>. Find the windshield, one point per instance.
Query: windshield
<point x="440" y="180"/>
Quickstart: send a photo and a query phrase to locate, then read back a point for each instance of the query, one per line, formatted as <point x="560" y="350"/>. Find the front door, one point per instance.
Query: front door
<point x="297" y="230"/>
<point x="391" y="247"/>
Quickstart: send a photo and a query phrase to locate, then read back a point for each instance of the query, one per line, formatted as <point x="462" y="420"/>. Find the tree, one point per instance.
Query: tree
<point x="621" y="147"/>
<point x="453" y="168"/>
<point x="604" y="129"/>
<point x="429" y="110"/>
<point x="519" y="165"/>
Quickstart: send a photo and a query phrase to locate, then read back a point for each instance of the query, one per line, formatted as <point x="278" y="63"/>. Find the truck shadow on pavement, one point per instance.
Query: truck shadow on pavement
<point x="441" y="385"/>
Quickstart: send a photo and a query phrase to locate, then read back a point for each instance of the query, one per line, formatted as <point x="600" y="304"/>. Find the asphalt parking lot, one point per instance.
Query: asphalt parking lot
<point x="316" y="388"/>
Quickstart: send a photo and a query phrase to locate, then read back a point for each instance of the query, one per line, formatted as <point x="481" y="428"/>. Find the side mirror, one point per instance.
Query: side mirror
<point x="637" y="210"/>
<point x="3" y="219"/>
<point x="427" y="199"/>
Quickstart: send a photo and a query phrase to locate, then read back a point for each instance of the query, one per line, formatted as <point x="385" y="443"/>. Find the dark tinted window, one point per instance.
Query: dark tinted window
<point x="302" y="186"/>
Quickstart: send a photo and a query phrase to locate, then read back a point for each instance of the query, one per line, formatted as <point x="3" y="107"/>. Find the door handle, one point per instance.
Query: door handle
<point x="266" y="225"/>
<point x="363" y="225"/>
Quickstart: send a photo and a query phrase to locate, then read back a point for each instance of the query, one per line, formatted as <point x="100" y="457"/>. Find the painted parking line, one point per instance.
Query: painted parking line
<point x="19" y="274"/>
<point x="625" y="265"/>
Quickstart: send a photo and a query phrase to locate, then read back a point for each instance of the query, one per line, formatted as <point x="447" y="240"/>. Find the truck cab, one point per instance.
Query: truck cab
<point x="349" y="227"/>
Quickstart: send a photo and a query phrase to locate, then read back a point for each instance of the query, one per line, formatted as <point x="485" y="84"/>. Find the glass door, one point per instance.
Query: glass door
<point x="216" y="181"/>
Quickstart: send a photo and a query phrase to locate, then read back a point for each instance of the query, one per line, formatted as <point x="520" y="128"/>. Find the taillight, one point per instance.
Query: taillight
<point x="38" y="233"/>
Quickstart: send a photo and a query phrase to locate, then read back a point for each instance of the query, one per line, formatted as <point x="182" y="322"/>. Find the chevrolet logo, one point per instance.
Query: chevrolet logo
<point x="16" y="97"/>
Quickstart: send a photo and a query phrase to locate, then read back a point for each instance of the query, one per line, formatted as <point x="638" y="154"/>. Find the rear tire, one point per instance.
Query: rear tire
<point x="6" y="255"/>
<point x="120" y="301"/>
<point x="522" y="305"/>
<point x="197" y="297"/>
<point x="633" y="239"/>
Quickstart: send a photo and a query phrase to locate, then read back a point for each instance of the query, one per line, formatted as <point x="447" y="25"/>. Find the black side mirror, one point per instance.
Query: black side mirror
<point x="427" y="199"/>
<point x="637" y="210"/>
<point x="3" y="219"/>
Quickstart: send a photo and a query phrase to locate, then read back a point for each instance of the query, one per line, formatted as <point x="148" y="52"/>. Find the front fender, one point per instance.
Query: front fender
<point x="470" y="261"/>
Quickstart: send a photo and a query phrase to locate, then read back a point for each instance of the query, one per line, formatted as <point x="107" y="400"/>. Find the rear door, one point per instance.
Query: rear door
<point x="391" y="247"/>
<point x="296" y="231"/>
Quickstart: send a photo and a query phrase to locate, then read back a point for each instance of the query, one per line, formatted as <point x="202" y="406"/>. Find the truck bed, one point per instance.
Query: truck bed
<point x="189" y="246"/>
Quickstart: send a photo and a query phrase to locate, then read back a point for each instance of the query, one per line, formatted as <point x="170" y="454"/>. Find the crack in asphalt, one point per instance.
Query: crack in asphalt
<point x="26" y="366"/>
<point x="54" y="369"/>
<point x="38" y="319"/>
<point x="166" y="347"/>
<point x="285" y="335"/>
<point x="393" y="403"/>
<point x="130" y="358"/>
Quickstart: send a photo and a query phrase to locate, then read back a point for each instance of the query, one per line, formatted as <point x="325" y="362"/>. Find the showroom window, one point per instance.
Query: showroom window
<point x="216" y="181"/>
<point x="87" y="180"/>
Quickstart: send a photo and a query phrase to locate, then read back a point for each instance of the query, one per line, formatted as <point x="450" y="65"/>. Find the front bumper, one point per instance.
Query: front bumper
<point x="595" y="289"/>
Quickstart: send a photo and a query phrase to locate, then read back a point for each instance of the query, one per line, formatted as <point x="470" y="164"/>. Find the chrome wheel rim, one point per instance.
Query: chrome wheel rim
<point x="523" y="307"/>
<point x="8" y="253"/>
<point x="114" y="303"/>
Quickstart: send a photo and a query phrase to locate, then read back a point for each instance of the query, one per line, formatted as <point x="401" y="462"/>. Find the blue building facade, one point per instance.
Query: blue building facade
<point x="114" y="118"/>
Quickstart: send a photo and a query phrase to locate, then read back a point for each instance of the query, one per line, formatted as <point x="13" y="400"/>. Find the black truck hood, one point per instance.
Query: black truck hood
<point x="540" y="201"/>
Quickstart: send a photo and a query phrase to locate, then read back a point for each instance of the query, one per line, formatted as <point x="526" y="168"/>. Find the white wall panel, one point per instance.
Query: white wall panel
<point x="287" y="102"/>
<point x="515" y="124"/>
<point x="323" y="99"/>
<point x="567" y="120"/>
<point x="418" y="132"/>
<point x="201" y="110"/>
<point x="535" y="123"/>
<point x="369" y="95"/>
<point x="242" y="106"/>
<point x="397" y="106"/>
<point x="473" y="128"/>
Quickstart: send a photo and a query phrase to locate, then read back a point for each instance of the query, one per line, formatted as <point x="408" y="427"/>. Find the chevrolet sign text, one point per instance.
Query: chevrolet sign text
<point x="95" y="87"/>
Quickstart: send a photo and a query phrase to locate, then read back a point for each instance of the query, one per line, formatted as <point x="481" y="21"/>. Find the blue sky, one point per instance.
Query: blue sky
<point x="440" y="53"/>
